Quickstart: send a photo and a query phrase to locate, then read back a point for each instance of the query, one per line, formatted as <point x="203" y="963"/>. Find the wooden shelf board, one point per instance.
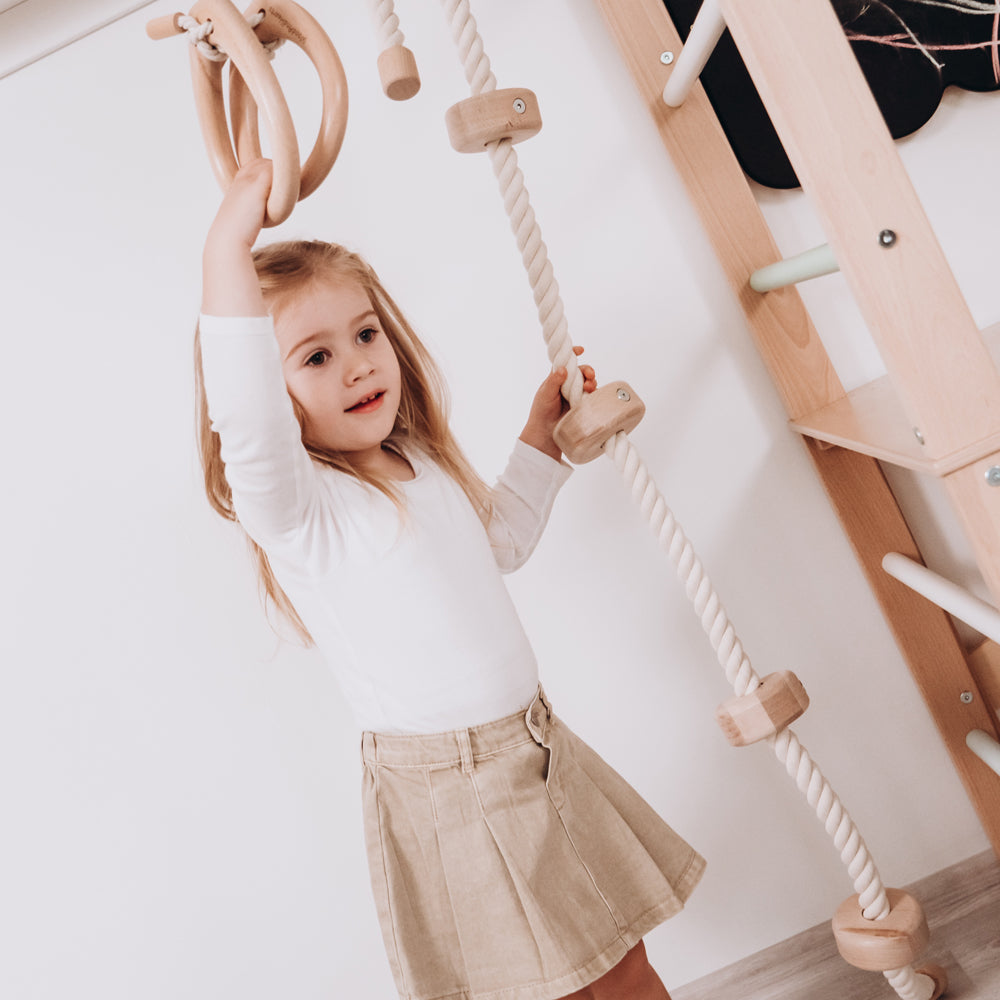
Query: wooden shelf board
<point x="871" y="420"/>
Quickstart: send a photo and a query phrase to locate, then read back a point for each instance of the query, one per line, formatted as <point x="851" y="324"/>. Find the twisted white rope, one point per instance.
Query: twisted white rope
<point x="198" y="33"/>
<point x="911" y="985"/>
<point x="715" y="622"/>
<point x="386" y="23"/>
<point x="836" y="821"/>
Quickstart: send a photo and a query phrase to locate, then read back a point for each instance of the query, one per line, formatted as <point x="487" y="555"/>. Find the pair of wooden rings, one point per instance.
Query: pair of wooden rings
<point x="254" y="94"/>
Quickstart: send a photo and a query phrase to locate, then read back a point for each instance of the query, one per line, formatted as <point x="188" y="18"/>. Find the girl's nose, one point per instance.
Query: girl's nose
<point x="357" y="367"/>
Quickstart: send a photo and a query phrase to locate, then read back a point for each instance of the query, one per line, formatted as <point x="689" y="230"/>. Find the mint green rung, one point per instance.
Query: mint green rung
<point x="790" y="271"/>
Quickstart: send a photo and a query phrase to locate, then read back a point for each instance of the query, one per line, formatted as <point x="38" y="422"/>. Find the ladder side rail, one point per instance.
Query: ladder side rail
<point x="842" y="152"/>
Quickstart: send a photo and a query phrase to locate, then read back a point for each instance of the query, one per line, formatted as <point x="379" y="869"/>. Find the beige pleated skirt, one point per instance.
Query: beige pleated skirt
<point x="509" y="862"/>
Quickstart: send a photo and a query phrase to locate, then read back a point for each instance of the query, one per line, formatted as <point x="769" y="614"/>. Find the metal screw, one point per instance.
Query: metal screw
<point x="666" y="58"/>
<point x="520" y="107"/>
<point x="993" y="475"/>
<point x="918" y="435"/>
<point x="886" y="238"/>
<point x="623" y="395"/>
<point x="966" y="697"/>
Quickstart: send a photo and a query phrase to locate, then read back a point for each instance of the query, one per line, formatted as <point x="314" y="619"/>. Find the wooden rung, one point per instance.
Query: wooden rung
<point x="598" y="417"/>
<point x="774" y="706"/>
<point x="397" y="69"/>
<point x="501" y="114"/>
<point x="896" y="940"/>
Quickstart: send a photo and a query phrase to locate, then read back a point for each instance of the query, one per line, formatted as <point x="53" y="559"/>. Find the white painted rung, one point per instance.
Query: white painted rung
<point x="701" y="41"/>
<point x="945" y="594"/>
<point x="985" y="748"/>
<point x="790" y="271"/>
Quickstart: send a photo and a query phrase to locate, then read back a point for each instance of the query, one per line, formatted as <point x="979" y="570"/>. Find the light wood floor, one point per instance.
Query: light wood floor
<point x="962" y="904"/>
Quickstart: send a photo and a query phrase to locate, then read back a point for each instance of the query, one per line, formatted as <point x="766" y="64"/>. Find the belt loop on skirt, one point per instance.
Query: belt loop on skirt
<point x="465" y="750"/>
<point x="368" y="751"/>
<point x="537" y="717"/>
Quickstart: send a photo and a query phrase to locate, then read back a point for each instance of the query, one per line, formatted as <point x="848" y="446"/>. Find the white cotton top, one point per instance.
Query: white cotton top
<point x="409" y="610"/>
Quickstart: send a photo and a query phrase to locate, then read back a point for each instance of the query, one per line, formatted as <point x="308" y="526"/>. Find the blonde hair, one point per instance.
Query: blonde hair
<point x="284" y="269"/>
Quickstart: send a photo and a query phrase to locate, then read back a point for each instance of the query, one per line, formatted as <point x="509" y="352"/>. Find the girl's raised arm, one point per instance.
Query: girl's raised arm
<point x="229" y="281"/>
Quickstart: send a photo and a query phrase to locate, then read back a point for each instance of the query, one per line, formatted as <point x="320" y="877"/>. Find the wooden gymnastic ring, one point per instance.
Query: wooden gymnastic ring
<point x="235" y="37"/>
<point x="250" y="63"/>
<point x="284" y="19"/>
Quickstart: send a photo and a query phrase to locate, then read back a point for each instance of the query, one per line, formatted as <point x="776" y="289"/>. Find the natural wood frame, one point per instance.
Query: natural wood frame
<point x="791" y="48"/>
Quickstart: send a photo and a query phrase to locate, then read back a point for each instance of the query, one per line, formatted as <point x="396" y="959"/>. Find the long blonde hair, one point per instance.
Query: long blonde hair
<point x="284" y="269"/>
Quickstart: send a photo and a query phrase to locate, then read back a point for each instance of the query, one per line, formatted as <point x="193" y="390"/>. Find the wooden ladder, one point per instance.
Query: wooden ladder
<point x="938" y="409"/>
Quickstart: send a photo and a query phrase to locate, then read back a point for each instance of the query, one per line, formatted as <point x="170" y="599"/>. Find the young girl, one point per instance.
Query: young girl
<point x="508" y="861"/>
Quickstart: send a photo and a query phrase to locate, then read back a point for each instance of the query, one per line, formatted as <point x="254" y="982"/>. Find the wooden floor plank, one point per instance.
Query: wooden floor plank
<point x="962" y="904"/>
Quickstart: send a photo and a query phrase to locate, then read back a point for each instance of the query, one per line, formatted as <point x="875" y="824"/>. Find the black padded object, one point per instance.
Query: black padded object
<point x="959" y="48"/>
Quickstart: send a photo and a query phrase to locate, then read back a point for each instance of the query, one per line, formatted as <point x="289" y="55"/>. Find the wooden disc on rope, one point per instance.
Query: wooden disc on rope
<point x="897" y="940"/>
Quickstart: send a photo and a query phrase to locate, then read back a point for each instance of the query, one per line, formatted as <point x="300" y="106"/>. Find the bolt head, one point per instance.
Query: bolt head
<point x="520" y="107"/>
<point x="966" y="697"/>
<point x="993" y="475"/>
<point x="623" y="395"/>
<point x="887" y="238"/>
<point x="666" y="58"/>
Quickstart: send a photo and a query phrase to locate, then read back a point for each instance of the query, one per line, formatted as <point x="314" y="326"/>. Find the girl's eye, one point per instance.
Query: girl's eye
<point x="367" y="335"/>
<point x="316" y="359"/>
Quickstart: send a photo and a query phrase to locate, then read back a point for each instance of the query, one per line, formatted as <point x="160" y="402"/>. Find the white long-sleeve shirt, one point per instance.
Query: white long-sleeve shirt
<point x="409" y="610"/>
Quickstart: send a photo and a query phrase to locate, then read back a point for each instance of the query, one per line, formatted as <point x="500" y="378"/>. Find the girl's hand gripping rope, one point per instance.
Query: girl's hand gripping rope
<point x="548" y="407"/>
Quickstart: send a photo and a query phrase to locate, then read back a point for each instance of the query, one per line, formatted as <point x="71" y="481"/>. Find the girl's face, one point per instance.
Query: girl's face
<point x="340" y="368"/>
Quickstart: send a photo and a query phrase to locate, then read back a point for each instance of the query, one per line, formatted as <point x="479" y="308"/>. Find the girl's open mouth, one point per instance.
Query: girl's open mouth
<point x="368" y="404"/>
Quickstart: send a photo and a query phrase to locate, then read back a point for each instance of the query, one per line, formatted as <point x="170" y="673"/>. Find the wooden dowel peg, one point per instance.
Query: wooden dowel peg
<point x="946" y="594"/>
<point x="985" y="748"/>
<point x="773" y="706"/>
<point x="790" y="271"/>
<point x="705" y="33"/>
<point x="500" y="114"/>
<point x="397" y="69"/>
<point x="164" y="27"/>
<point x="598" y="417"/>
<point x="896" y="940"/>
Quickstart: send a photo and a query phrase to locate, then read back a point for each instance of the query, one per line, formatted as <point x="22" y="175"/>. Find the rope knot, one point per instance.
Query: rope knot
<point x="198" y="33"/>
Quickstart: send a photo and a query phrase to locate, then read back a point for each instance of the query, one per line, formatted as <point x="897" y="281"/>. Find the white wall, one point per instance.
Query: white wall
<point x="179" y="788"/>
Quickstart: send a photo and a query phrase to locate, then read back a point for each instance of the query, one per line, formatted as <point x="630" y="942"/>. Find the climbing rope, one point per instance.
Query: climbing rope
<point x="386" y="23"/>
<point x="730" y="653"/>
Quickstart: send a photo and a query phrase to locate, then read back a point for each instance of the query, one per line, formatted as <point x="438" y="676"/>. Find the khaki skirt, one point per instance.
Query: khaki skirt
<point x="509" y="862"/>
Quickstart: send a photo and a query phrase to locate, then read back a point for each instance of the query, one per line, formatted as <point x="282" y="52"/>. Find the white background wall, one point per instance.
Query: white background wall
<point x="179" y="787"/>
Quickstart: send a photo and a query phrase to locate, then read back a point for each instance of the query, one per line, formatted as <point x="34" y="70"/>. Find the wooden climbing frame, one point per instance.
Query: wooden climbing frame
<point x="947" y="388"/>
